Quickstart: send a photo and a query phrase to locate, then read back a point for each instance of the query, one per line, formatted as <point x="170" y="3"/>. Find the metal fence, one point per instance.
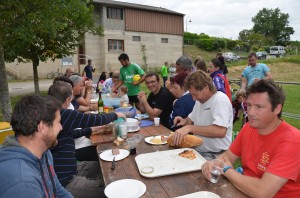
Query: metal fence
<point x="286" y="114"/>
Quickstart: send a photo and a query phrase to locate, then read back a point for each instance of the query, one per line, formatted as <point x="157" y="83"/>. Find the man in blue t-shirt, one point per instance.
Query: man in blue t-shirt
<point x="88" y="70"/>
<point x="254" y="71"/>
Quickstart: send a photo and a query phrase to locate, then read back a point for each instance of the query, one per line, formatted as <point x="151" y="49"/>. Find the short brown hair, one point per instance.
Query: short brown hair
<point x="150" y="74"/>
<point x="275" y="93"/>
<point x="124" y="89"/>
<point x="199" y="80"/>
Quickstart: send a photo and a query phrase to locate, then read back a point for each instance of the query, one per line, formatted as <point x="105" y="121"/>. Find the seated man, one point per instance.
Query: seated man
<point x="26" y="164"/>
<point x="159" y="102"/>
<point x="211" y="118"/>
<point x="64" y="155"/>
<point x="267" y="146"/>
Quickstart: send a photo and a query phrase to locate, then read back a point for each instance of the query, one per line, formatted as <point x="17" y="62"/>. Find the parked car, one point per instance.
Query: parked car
<point x="261" y="54"/>
<point x="230" y="56"/>
<point x="277" y="50"/>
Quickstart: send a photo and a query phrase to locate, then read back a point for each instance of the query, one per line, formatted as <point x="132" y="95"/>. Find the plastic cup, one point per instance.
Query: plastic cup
<point x="217" y="169"/>
<point x="156" y="121"/>
<point x="132" y="143"/>
<point x="123" y="130"/>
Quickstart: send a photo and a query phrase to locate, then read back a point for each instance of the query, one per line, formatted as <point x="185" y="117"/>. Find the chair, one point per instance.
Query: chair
<point x="5" y="130"/>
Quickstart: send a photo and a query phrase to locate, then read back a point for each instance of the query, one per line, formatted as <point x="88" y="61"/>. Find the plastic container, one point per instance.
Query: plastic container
<point x="112" y="102"/>
<point x="129" y="112"/>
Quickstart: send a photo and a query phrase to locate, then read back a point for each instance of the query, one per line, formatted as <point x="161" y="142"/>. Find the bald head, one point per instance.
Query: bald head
<point x="70" y="71"/>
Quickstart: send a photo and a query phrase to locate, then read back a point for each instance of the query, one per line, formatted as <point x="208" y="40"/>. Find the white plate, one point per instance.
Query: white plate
<point x="204" y="194"/>
<point x="148" y="140"/>
<point x="168" y="162"/>
<point x="125" y="188"/>
<point x="134" y="129"/>
<point x="108" y="156"/>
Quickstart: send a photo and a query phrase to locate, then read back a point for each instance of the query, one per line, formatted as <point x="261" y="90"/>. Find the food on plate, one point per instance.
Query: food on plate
<point x="115" y="151"/>
<point x="189" y="154"/>
<point x="158" y="139"/>
<point x="187" y="141"/>
<point x="119" y="141"/>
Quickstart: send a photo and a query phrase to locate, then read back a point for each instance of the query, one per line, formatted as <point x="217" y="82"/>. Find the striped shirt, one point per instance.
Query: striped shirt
<point x="64" y="154"/>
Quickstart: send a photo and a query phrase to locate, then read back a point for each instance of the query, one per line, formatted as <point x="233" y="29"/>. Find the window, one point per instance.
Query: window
<point x="164" y="40"/>
<point x="115" y="45"/>
<point x="136" y="38"/>
<point x="114" y="13"/>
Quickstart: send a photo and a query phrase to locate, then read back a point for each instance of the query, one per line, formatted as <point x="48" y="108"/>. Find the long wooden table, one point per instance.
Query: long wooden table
<point x="166" y="186"/>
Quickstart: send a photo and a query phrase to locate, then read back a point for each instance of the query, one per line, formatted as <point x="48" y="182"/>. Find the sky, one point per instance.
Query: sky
<point x="226" y="18"/>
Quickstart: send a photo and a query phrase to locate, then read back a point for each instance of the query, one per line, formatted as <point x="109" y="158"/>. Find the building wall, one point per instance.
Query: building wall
<point x="151" y="26"/>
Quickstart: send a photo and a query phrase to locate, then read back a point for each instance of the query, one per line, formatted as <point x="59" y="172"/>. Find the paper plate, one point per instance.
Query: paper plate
<point x="125" y="188"/>
<point x="108" y="156"/>
<point x="148" y="140"/>
<point x="145" y="123"/>
<point x="202" y="194"/>
<point x="134" y="130"/>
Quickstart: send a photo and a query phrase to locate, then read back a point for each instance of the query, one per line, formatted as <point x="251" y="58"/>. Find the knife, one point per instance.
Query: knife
<point x="113" y="165"/>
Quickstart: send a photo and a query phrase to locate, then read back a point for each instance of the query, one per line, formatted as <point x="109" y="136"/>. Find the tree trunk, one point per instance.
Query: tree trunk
<point x="4" y="93"/>
<point x="35" y="64"/>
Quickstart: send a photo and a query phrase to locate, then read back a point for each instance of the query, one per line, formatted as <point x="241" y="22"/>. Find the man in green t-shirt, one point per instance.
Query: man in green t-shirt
<point x="127" y="72"/>
<point x="164" y="72"/>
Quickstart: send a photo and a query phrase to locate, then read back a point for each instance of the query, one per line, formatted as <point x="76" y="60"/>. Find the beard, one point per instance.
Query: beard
<point x="50" y="142"/>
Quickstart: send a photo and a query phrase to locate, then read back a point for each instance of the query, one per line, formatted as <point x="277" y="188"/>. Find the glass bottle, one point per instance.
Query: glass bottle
<point x="100" y="104"/>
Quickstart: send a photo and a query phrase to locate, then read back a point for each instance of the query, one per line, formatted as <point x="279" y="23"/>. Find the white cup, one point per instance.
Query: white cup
<point x="156" y="121"/>
<point x="124" y="131"/>
<point x="217" y="168"/>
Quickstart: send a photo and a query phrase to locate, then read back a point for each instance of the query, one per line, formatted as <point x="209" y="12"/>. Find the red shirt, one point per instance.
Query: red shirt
<point x="277" y="153"/>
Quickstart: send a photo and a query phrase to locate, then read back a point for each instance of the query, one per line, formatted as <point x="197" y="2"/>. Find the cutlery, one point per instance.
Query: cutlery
<point x="113" y="165"/>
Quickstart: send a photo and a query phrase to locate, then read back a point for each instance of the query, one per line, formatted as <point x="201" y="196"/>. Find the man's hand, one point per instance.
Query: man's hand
<point x="206" y="169"/>
<point x="121" y="115"/>
<point x="135" y="83"/>
<point x="179" y="121"/>
<point x="98" y="129"/>
<point x="142" y="97"/>
<point x="179" y="134"/>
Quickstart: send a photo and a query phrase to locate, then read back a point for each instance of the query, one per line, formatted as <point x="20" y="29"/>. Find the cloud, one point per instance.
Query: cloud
<point x="226" y="18"/>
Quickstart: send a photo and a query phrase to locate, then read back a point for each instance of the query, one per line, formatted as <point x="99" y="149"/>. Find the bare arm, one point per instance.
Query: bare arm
<point x="244" y="83"/>
<point x="120" y="83"/>
<point x="267" y="186"/>
<point x="268" y="75"/>
<point x="146" y="108"/>
<point x="213" y="131"/>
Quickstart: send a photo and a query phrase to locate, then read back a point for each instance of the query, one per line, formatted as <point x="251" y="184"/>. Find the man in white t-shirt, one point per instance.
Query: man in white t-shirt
<point x="211" y="118"/>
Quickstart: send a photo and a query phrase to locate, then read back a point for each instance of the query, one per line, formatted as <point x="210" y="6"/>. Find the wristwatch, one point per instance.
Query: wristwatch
<point x="226" y="168"/>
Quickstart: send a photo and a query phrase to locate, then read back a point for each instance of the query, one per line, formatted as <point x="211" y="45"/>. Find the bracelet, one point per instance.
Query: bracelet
<point x="226" y="168"/>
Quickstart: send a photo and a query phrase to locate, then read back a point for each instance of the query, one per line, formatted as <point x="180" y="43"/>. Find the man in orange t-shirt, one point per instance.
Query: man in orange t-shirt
<point x="268" y="147"/>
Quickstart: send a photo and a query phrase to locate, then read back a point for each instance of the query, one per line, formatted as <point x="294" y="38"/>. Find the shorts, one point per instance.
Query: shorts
<point x="133" y="99"/>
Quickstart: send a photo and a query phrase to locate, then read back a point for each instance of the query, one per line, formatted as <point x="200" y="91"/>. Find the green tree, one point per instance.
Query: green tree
<point x="38" y="30"/>
<point x="274" y="25"/>
<point x="244" y="35"/>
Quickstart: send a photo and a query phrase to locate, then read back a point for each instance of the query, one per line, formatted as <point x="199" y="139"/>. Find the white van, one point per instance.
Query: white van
<point x="277" y="50"/>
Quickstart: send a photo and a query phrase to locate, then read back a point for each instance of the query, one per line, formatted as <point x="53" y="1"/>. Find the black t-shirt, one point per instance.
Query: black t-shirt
<point x="163" y="100"/>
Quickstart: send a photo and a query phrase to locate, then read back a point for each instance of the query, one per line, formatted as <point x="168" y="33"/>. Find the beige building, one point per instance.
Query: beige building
<point x="127" y="27"/>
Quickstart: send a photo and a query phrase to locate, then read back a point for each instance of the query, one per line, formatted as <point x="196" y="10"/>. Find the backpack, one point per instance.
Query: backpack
<point x="227" y="87"/>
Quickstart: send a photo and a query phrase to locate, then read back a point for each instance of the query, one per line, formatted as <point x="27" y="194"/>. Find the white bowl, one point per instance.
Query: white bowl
<point x="132" y="123"/>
